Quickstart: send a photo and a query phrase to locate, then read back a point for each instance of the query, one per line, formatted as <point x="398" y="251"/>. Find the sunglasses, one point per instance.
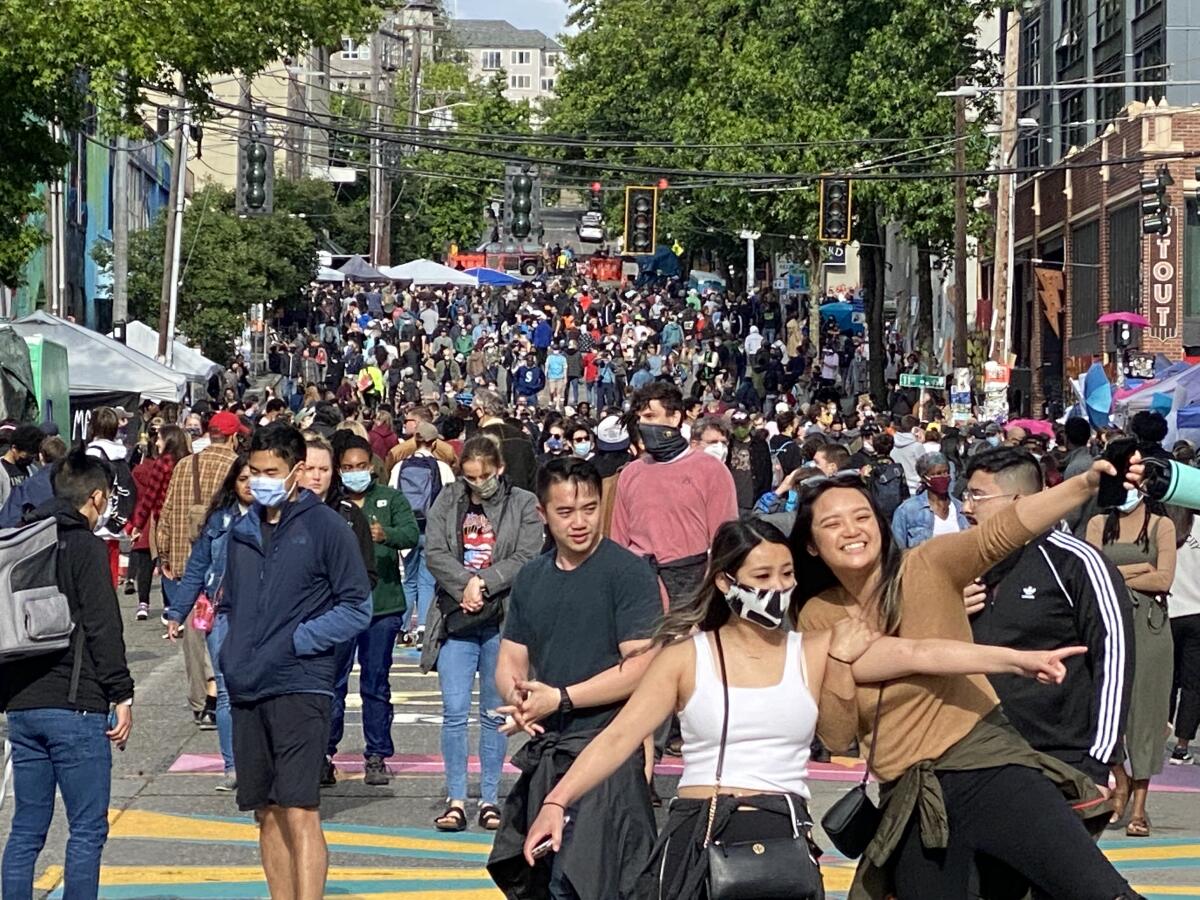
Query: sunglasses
<point x="845" y="478"/>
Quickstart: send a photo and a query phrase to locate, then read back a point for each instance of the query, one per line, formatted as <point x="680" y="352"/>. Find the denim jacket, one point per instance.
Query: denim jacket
<point x="206" y="565"/>
<point x="912" y="523"/>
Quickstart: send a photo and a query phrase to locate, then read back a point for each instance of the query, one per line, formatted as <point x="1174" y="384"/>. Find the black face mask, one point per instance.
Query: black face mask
<point x="662" y="442"/>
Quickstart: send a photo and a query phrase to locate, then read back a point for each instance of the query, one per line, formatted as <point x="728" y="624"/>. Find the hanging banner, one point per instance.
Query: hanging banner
<point x="83" y="405"/>
<point x="995" y="391"/>
<point x="1050" y="292"/>
<point x="960" y="395"/>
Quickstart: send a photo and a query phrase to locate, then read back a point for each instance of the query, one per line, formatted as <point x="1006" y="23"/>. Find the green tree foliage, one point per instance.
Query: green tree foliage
<point x="228" y="263"/>
<point x="62" y="60"/>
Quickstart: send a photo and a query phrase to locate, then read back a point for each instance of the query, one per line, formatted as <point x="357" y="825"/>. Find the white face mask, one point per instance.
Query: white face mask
<point x="1132" y="499"/>
<point x="103" y="516"/>
<point x="717" y="451"/>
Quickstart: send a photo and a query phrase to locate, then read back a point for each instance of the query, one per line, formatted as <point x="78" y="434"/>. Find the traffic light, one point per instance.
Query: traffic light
<point x="641" y="219"/>
<point x="522" y="203"/>
<point x="596" y="203"/>
<point x="1155" y="209"/>
<point x="256" y="171"/>
<point x="835" y="210"/>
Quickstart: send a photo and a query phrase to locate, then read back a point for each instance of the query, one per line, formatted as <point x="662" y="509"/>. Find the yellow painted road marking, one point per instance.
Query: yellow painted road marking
<point x="141" y="824"/>
<point x="1153" y="851"/>
<point x="116" y="875"/>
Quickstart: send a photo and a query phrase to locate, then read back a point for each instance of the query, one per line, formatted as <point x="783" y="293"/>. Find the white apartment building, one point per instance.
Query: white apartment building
<point x="530" y="60"/>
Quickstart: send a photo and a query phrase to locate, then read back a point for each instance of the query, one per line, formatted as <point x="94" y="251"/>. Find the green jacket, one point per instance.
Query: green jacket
<point x="388" y="507"/>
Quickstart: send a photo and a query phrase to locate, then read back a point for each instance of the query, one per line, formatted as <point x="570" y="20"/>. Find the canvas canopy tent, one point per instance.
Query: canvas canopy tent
<point x="100" y="365"/>
<point x="187" y="360"/>
<point x="426" y="271"/>
<point x="1170" y="396"/>
<point x="358" y="269"/>
<point x="494" y="277"/>
<point x="328" y="275"/>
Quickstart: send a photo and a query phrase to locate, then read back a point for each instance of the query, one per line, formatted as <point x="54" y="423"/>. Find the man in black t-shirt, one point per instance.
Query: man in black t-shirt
<point x="578" y="618"/>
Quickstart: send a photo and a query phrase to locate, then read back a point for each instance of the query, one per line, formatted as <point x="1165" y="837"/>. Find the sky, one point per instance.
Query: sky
<point x="546" y="15"/>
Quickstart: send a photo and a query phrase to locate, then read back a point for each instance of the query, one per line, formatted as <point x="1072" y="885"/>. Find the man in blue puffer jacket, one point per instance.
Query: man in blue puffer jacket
<point x="295" y="588"/>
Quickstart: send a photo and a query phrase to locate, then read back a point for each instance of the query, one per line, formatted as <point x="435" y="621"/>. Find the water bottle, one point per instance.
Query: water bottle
<point x="202" y="614"/>
<point x="1173" y="482"/>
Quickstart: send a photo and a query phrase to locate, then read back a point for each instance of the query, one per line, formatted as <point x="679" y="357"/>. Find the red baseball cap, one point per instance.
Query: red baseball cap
<point x="227" y="423"/>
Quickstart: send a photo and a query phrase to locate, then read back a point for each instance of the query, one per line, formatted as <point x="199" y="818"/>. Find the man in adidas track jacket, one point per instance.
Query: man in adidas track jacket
<point x="1057" y="591"/>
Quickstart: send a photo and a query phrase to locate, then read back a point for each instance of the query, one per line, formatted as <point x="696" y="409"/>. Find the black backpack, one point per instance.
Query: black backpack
<point x="888" y="487"/>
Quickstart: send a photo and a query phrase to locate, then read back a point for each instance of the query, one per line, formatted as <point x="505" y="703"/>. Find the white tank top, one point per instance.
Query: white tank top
<point x="771" y="729"/>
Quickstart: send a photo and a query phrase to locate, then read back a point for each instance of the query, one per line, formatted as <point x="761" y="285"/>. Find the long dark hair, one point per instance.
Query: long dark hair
<point x="175" y="442"/>
<point x="1112" y="523"/>
<point x="226" y="494"/>
<point x="707" y="609"/>
<point x="813" y="575"/>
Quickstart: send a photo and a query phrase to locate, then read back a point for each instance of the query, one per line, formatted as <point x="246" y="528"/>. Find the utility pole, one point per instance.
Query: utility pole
<point x="381" y="200"/>
<point x="960" y="229"/>
<point x="296" y="130"/>
<point x="1002" y="256"/>
<point x="170" y="277"/>
<point x="120" y="230"/>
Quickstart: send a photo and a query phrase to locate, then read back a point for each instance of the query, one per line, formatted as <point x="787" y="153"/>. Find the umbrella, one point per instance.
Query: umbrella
<point x="1097" y="395"/>
<point x="1128" y="318"/>
<point x="1033" y="426"/>
<point x="492" y="276"/>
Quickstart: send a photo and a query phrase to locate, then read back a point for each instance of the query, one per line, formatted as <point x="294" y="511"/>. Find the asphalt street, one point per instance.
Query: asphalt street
<point x="173" y="836"/>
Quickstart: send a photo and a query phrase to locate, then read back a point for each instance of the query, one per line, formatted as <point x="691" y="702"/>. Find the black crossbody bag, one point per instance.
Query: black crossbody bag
<point x="851" y="823"/>
<point x="770" y="869"/>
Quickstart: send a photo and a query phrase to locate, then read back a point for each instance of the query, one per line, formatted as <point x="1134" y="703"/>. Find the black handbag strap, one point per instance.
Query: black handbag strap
<point x="874" y="736"/>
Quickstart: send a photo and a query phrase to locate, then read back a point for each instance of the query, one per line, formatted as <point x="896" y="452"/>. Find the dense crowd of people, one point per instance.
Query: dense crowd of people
<point x="644" y="523"/>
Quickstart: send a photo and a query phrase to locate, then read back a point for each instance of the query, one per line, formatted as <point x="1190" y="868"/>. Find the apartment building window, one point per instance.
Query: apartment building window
<point x="547" y="84"/>
<point x="519" y="57"/>
<point x="552" y="60"/>
<point x="1124" y="258"/>
<point x="1073" y="39"/>
<point x="520" y="82"/>
<point x="1150" y="65"/>
<point x="1111" y="19"/>
<point x="1085" y="279"/>
<point x="490" y="59"/>
<point x="352" y="49"/>
<point x="1109" y="101"/>
<point x="1031" y="51"/>
<point x="1073" y="126"/>
<point x="1142" y="6"/>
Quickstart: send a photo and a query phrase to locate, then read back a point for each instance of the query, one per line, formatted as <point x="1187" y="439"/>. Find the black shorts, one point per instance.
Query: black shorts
<point x="279" y="747"/>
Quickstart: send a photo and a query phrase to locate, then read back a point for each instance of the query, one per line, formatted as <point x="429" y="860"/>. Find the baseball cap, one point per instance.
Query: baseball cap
<point x="611" y="435"/>
<point x="121" y="412"/>
<point x="739" y="416"/>
<point x="426" y="432"/>
<point x="227" y="423"/>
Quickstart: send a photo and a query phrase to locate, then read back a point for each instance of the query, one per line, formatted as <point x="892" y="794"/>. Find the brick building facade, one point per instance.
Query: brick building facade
<point x="1083" y="217"/>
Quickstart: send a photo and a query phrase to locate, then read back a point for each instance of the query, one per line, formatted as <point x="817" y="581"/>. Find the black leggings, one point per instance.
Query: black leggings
<point x="141" y="571"/>
<point x="1186" y="715"/>
<point x="1016" y="816"/>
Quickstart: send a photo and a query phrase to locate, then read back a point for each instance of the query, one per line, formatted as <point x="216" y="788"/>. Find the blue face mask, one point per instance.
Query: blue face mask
<point x="268" y="491"/>
<point x="583" y="448"/>
<point x="356" y="482"/>
<point x="993" y="440"/>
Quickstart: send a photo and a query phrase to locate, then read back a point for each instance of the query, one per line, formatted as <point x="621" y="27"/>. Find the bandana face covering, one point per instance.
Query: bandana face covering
<point x="762" y="606"/>
<point x="662" y="442"/>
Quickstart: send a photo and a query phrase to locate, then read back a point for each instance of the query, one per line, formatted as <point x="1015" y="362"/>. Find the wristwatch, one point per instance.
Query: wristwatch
<point x="564" y="701"/>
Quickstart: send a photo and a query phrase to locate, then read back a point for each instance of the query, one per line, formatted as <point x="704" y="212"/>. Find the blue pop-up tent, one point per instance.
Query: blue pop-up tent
<point x="493" y="277"/>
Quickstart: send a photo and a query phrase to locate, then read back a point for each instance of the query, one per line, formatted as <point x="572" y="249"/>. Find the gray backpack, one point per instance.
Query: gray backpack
<point x="35" y="617"/>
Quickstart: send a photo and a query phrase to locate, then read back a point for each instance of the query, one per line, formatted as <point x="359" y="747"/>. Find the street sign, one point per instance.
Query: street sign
<point x="837" y="256"/>
<point x="911" y="379"/>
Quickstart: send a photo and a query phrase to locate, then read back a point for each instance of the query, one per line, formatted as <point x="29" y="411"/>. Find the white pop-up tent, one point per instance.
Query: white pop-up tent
<point x="187" y="360"/>
<point x="98" y="365"/>
<point x="426" y="271"/>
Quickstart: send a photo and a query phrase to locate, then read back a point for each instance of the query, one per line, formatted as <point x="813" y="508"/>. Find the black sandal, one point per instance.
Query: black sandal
<point x="489" y="816"/>
<point x="455" y="813"/>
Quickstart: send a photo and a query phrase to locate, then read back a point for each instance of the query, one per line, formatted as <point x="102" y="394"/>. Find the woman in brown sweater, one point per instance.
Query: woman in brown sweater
<point x="957" y="779"/>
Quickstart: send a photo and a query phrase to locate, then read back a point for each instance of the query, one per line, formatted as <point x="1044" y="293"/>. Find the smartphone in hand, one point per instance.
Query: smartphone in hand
<point x="1112" y="487"/>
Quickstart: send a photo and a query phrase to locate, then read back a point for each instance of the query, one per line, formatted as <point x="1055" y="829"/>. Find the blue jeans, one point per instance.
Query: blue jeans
<point x="215" y="639"/>
<point x="460" y="658"/>
<point x="68" y="750"/>
<point x="168" y="587"/>
<point x="419" y="586"/>
<point x="374" y="648"/>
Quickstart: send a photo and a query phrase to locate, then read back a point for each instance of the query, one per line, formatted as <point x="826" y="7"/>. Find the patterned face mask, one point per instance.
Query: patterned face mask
<point x="762" y="606"/>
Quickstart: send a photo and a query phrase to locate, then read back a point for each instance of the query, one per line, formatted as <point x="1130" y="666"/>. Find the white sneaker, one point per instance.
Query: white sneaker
<point x="228" y="783"/>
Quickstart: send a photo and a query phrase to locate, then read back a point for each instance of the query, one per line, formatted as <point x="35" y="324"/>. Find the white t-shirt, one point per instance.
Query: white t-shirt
<point x="1185" y="590"/>
<point x="948" y="525"/>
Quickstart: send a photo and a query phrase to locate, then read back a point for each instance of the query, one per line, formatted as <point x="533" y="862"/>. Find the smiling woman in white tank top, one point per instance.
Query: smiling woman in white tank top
<point x="775" y="679"/>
